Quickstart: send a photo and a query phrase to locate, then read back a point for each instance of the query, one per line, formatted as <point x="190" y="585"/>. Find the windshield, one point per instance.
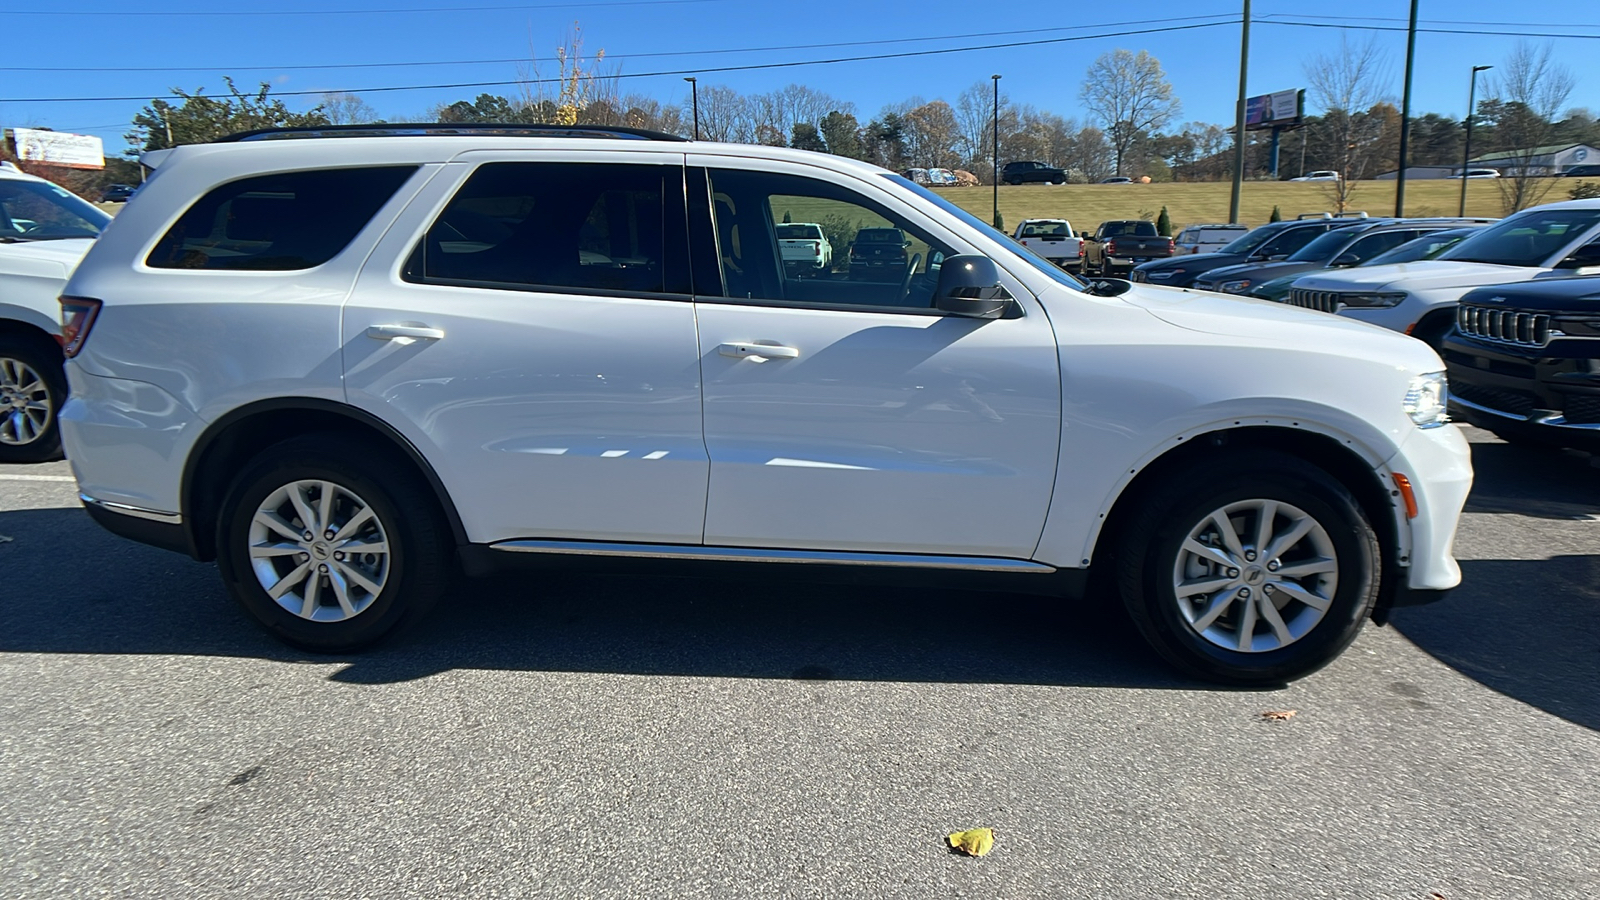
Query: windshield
<point x="1429" y="246"/>
<point x="1033" y="259"/>
<point x="40" y="211"/>
<point x="1321" y="249"/>
<point x="1250" y="240"/>
<point x="1525" y="239"/>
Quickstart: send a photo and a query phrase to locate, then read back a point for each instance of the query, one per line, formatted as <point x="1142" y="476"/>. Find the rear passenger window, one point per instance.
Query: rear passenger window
<point x="593" y="227"/>
<point x="292" y="220"/>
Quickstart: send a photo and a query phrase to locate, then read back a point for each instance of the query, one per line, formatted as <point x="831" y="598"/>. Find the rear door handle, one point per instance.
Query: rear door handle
<point x="390" y="332"/>
<point x="759" y="352"/>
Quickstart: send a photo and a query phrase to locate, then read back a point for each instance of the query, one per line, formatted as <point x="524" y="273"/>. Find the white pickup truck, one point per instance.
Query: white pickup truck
<point x="804" y="246"/>
<point x="1052" y="239"/>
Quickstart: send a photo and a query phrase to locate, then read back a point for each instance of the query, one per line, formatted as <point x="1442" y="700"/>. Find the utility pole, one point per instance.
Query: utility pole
<point x="1238" y="119"/>
<point x="1405" y="117"/>
<point x="694" y="89"/>
<point x="996" y="79"/>
<point x="1466" y="153"/>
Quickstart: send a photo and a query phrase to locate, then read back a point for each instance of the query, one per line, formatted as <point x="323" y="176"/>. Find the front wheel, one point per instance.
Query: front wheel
<point x="1257" y="569"/>
<point x="330" y="544"/>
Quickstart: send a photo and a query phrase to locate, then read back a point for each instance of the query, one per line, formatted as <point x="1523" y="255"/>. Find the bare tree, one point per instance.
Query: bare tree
<point x="578" y="84"/>
<point x="1347" y="85"/>
<point x="725" y="115"/>
<point x="347" y="109"/>
<point x="930" y="135"/>
<point x="1529" y="91"/>
<point x="1129" y="95"/>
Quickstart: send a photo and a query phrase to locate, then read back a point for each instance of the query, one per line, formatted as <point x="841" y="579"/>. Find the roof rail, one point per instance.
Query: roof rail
<point x="1320" y="215"/>
<point x="457" y="129"/>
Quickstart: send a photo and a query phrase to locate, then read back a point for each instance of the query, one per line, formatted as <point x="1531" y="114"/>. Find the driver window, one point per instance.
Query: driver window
<point x="789" y="239"/>
<point x="1288" y="242"/>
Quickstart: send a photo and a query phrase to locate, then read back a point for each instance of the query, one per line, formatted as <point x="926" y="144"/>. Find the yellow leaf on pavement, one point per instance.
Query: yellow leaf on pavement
<point x="973" y="842"/>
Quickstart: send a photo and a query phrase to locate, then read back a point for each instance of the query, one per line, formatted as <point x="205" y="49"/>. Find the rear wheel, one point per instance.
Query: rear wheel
<point x="32" y="389"/>
<point x="1256" y="569"/>
<point x="330" y="544"/>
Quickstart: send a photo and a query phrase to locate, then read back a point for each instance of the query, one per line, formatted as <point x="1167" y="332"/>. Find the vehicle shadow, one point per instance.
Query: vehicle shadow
<point x="131" y="599"/>
<point x="1541" y="482"/>
<point x="1529" y="629"/>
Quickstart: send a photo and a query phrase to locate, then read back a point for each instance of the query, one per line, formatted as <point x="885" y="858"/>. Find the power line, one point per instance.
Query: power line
<point x="1465" y="31"/>
<point x="350" y="12"/>
<point x="608" y="57"/>
<point x="705" y="71"/>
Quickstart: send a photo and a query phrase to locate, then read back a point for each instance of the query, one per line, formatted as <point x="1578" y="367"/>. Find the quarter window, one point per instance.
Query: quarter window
<point x="560" y="226"/>
<point x="874" y="258"/>
<point x="292" y="220"/>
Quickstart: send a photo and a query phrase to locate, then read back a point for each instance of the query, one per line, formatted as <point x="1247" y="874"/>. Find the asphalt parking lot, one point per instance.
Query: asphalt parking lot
<point x="593" y="736"/>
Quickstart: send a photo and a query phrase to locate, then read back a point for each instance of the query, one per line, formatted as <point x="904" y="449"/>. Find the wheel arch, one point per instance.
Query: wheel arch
<point x="232" y="439"/>
<point x="29" y="329"/>
<point x="1338" y="456"/>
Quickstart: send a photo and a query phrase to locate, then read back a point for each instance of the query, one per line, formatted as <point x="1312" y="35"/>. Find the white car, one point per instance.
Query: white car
<point x="1482" y="173"/>
<point x="1206" y="238"/>
<point x="338" y="367"/>
<point x="804" y="246"/>
<point x="1419" y="298"/>
<point x="44" y="231"/>
<point x="1322" y="175"/>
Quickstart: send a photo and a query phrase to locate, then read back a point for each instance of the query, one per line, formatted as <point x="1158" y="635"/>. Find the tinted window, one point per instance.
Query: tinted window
<point x="292" y="220"/>
<point x="877" y="259"/>
<point x="1373" y="245"/>
<point x="1135" y="229"/>
<point x="38" y="211"/>
<point x="1290" y="241"/>
<point x="1426" y="247"/>
<point x="1525" y="239"/>
<point x="1250" y="240"/>
<point x="559" y="226"/>
<point x="1324" y="247"/>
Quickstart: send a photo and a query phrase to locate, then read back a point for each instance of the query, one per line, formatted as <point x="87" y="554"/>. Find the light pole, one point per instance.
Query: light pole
<point x="1238" y="114"/>
<point x="996" y="79"/>
<point x="1405" y="118"/>
<point x="694" y="90"/>
<point x="1466" y="152"/>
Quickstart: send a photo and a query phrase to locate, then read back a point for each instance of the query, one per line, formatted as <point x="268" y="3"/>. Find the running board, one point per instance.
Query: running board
<point x="752" y="554"/>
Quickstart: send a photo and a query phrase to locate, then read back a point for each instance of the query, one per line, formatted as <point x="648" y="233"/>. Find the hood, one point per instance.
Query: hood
<point x="1426" y="275"/>
<point x="1286" y="326"/>
<point x="1553" y="295"/>
<point x="67" y="251"/>
<point x="1198" y="260"/>
<point x="1259" y="273"/>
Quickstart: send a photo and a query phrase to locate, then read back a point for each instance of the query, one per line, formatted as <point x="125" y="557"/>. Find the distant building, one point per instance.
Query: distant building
<point x="1548" y="160"/>
<point x="1415" y="173"/>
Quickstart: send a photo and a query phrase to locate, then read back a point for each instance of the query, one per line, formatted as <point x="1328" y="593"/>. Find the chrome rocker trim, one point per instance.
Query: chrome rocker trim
<point x="137" y="512"/>
<point x="753" y="554"/>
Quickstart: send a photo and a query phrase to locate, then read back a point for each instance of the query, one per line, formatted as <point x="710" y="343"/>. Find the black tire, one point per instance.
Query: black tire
<point x="1149" y="549"/>
<point x="1432" y="329"/>
<point x="419" y="546"/>
<point x="42" y="356"/>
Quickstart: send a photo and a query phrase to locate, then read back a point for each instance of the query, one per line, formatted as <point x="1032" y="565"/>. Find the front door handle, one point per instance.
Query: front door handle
<point x="757" y="352"/>
<point x="390" y="332"/>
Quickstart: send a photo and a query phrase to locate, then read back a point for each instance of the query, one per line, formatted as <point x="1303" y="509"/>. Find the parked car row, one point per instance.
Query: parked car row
<point x="342" y="368"/>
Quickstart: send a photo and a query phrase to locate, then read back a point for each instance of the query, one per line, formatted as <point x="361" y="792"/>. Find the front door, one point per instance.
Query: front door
<point x="528" y="326"/>
<point x="842" y="412"/>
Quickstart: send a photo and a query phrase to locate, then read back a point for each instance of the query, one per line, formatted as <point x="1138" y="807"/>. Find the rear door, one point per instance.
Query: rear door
<point x="527" y="324"/>
<point x="842" y="412"/>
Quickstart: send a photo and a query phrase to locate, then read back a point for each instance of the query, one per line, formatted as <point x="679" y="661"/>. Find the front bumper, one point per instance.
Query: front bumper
<point x="1438" y="463"/>
<point x="1549" y="394"/>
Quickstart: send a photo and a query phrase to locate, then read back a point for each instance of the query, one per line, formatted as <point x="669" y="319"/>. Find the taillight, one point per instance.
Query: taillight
<point x="77" y="317"/>
<point x="1111" y="248"/>
<point x="1172" y="245"/>
<point x="1080" y="248"/>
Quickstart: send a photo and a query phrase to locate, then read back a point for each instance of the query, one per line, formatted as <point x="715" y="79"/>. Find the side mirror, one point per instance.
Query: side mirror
<point x="969" y="285"/>
<point x="1342" y="261"/>
<point x="1582" y="258"/>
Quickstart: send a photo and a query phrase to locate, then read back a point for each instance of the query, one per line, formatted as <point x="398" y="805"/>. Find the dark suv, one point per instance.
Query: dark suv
<point x="1524" y="361"/>
<point x="878" y="254"/>
<point x="1023" y="172"/>
<point x="1269" y="243"/>
<point x="1337" y="249"/>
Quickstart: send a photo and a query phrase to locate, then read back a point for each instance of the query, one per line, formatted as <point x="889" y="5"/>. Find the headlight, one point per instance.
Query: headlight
<point x="1167" y="273"/>
<point x="1234" y="287"/>
<point x="1426" y="398"/>
<point x="1373" y="300"/>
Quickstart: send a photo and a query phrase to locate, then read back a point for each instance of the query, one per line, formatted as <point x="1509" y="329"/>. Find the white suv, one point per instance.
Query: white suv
<point x="339" y="366"/>
<point x="1419" y="298"/>
<point x="44" y="231"/>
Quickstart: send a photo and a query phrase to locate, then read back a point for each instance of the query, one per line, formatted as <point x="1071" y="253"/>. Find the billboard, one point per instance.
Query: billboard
<point x="1283" y="109"/>
<point x="58" y="148"/>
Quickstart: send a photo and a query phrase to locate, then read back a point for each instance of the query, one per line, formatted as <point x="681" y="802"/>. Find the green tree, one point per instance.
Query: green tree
<point x="806" y="137"/>
<point x="1277" y="215"/>
<point x="199" y="118"/>
<point x="1164" y="223"/>
<point x="842" y="133"/>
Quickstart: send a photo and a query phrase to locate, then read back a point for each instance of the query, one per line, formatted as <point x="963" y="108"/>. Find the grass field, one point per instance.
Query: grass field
<point x="1087" y="205"/>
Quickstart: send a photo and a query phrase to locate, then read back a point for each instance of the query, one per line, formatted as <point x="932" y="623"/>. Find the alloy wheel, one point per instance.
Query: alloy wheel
<point x="319" y="550"/>
<point x="25" y="403"/>
<point x="1255" y="575"/>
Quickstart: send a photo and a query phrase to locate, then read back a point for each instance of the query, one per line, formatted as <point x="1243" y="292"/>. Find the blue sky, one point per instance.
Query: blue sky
<point x="1202" y="63"/>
